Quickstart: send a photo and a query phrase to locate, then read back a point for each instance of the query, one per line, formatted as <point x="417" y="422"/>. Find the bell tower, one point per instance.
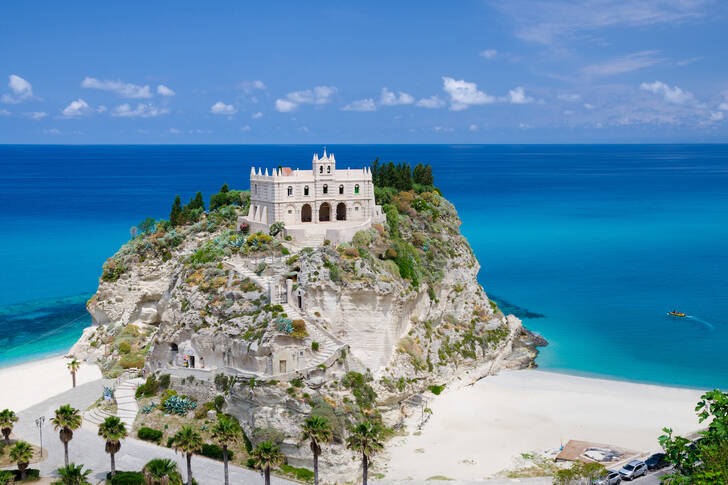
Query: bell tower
<point x="324" y="167"/>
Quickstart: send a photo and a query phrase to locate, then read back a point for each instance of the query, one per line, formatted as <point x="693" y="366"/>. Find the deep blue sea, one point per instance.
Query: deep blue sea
<point x="602" y="240"/>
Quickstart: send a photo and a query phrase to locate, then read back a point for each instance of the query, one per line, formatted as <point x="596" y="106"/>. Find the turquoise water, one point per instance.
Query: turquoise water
<point x="600" y="240"/>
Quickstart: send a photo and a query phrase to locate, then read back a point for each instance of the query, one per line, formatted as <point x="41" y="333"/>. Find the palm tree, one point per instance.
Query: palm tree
<point x="159" y="471"/>
<point x="73" y="367"/>
<point x="7" y="421"/>
<point x="66" y="420"/>
<point x="366" y="439"/>
<point x="225" y="432"/>
<point x="113" y="430"/>
<point x="265" y="456"/>
<point x="189" y="442"/>
<point x="316" y="430"/>
<point x="21" y="453"/>
<point x="73" y="475"/>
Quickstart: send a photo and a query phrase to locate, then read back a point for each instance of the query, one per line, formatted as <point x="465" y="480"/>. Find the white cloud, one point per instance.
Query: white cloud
<point x="245" y="128"/>
<point x="142" y="110"/>
<point x="361" y="105"/>
<point x="257" y="115"/>
<point x="303" y="129"/>
<point x="285" y="106"/>
<point x="473" y="128"/>
<point x="221" y="108"/>
<point x="489" y="53"/>
<point x="249" y="86"/>
<point x="36" y="115"/>
<point x="101" y="109"/>
<point x="548" y="22"/>
<point x="518" y="96"/>
<point x="22" y="90"/>
<point x="571" y="98"/>
<point x="716" y="115"/>
<point x="52" y="131"/>
<point x="174" y="131"/>
<point x="723" y="106"/>
<point x="464" y="94"/>
<point x="620" y="65"/>
<point x="388" y="98"/>
<point x="589" y="106"/>
<point x="122" y="89"/>
<point x="443" y="129"/>
<point x="431" y="102"/>
<point x="76" y="109"/>
<point x="318" y="95"/>
<point x="4" y="112"/>
<point x="673" y="95"/>
<point x="164" y="90"/>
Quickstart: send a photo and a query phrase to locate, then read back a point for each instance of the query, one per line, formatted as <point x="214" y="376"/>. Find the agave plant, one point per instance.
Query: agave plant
<point x="179" y="405"/>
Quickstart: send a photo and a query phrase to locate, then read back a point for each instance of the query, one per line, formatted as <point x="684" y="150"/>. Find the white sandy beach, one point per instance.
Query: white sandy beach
<point x="479" y="430"/>
<point x="29" y="383"/>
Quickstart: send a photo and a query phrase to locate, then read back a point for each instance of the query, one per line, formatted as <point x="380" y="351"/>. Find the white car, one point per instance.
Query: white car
<point x="609" y="478"/>
<point x="633" y="469"/>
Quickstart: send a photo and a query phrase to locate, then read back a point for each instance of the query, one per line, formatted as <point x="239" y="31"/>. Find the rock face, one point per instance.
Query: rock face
<point x="368" y="328"/>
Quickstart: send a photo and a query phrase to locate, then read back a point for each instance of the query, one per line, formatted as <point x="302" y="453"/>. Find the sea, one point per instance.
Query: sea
<point x="591" y="245"/>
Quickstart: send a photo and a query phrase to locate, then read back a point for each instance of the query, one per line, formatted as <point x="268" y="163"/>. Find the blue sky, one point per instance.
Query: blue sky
<point x="516" y="71"/>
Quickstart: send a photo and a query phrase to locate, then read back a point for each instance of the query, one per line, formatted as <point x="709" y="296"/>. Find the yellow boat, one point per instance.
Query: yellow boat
<point x="676" y="313"/>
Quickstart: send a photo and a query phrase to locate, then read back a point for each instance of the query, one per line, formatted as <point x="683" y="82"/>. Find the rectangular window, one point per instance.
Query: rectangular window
<point x="282" y="366"/>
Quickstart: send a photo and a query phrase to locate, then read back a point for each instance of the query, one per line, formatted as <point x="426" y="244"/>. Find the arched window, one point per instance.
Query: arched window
<point x="356" y="189"/>
<point x="341" y="189"/>
<point x="321" y="169"/>
<point x="290" y="191"/>
<point x="326" y="189"/>
<point x="305" y="190"/>
<point x="255" y="188"/>
<point x="328" y="169"/>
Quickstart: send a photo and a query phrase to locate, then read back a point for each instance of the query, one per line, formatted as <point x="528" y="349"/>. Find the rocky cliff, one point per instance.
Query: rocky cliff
<point x="374" y="327"/>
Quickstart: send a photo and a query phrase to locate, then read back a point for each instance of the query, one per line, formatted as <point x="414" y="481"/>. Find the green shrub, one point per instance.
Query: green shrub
<point x="435" y="389"/>
<point x="132" y="361"/>
<point x="126" y="478"/>
<point x="112" y="270"/>
<point x="314" y="346"/>
<point x="214" y="451"/>
<point x="124" y="347"/>
<point x="303" y="474"/>
<point x="276" y="228"/>
<point x="31" y="475"/>
<point x="362" y="238"/>
<point x="164" y="381"/>
<point x="363" y="393"/>
<point x="150" y="434"/>
<point x="6" y="477"/>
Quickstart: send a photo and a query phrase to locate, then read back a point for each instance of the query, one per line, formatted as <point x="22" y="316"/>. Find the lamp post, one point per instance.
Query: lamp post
<point x="39" y="422"/>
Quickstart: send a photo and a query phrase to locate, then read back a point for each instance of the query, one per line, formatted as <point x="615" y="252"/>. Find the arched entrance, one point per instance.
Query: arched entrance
<point x="325" y="212"/>
<point x="306" y="213"/>
<point x="341" y="212"/>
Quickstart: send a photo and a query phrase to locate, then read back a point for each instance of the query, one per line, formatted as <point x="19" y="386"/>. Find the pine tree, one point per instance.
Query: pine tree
<point x="198" y="202"/>
<point x="375" y="171"/>
<point x="427" y="178"/>
<point x="390" y="176"/>
<point x="174" y="216"/>
<point x="224" y="189"/>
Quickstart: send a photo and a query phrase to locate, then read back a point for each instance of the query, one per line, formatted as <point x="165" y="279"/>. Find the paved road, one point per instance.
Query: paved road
<point x="88" y="448"/>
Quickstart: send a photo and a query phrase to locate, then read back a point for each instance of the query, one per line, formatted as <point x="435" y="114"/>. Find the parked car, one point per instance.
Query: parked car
<point x="656" y="461"/>
<point x="633" y="469"/>
<point x="609" y="478"/>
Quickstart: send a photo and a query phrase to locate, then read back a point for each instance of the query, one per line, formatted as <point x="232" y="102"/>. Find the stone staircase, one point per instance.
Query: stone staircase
<point x="327" y="347"/>
<point x="126" y="405"/>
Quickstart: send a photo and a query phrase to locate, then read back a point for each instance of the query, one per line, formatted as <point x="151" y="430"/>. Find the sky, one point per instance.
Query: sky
<point x="467" y="71"/>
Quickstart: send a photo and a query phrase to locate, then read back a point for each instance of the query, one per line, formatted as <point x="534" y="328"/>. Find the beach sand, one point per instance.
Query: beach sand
<point x="477" y="431"/>
<point x="26" y="384"/>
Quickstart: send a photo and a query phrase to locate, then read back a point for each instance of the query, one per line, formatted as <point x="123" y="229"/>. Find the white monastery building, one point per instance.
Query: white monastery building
<point x="318" y="204"/>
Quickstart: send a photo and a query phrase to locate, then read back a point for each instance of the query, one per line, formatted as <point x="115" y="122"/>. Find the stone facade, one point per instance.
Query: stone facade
<point x="333" y="200"/>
